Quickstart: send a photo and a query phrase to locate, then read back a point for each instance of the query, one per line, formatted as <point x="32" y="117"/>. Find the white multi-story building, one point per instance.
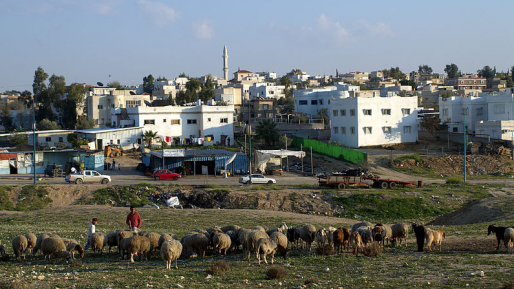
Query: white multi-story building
<point x="202" y="124"/>
<point x="489" y="114"/>
<point x="362" y="118"/>
<point x="267" y="90"/>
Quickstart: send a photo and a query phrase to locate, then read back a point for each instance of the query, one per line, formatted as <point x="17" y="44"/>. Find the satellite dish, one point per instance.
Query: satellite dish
<point x="148" y="103"/>
<point x="100" y="84"/>
<point x="132" y="93"/>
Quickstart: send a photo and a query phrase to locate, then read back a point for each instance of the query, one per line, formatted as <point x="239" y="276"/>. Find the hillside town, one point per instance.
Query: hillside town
<point x="352" y="110"/>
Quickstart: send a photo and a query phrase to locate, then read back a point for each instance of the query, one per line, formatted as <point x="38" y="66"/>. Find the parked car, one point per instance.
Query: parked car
<point x="257" y="179"/>
<point x="165" y="175"/>
<point x="87" y="176"/>
<point x="274" y="170"/>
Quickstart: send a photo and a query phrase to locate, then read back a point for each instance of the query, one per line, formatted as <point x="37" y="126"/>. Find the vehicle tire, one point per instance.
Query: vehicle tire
<point x="270" y="182"/>
<point x="384" y="185"/>
<point x="341" y="186"/>
<point x="157" y="178"/>
<point x="105" y="181"/>
<point x="78" y="181"/>
<point x="392" y="185"/>
<point x="175" y="178"/>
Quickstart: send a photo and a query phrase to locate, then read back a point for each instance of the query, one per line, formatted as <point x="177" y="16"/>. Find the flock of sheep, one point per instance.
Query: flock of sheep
<point x="259" y="240"/>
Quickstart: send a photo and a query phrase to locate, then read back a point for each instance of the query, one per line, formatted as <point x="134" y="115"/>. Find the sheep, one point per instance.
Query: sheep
<point x="381" y="233"/>
<point x="112" y="239"/>
<point x="39" y="240"/>
<point x="330" y="236"/>
<point x="170" y="251"/>
<point x="281" y="241"/>
<point x="124" y="246"/>
<point x="499" y="232"/>
<point x="154" y="240"/>
<point x="54" y="247"/>
<point x="122" y="235"/>
<point x="72" y="246"/>
<point x="260" y="228"/>
<point x="292" y="237"/>
<point x="365" y="233"/>
<point x="265" y="246"/>
<point x="221" y="242"/>
<point x="163" y="238"/>
<point x="195" y="242"/>
<point x="356" y="239"/>
<point x="214" y="230"/>
<point x="508" y="239"/>
<point x="241" y="240"/>
<point x="308" y="234"/>
<point x="435" y="238"/>
<point x="321" y="237"/>
<point x="31" y="241"/>
<point x="400" y="231"/>
<point x="338" y="240"/>
<point x="419" y="231"/>
<point x="98" y="241"/>
<point x="2" y="249"/>
<point x="19" y="245"/>
<point x="233" y="239"/>
<point x="251" y="241"/>
<point x="361" y="224"/>
<point x="139" y="245"/>
<point x="234" y="228"/>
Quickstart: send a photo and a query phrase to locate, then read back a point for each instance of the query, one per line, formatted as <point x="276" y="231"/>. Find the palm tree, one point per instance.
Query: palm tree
<point x="267" y="130"/>
<point x="149" y="136"/>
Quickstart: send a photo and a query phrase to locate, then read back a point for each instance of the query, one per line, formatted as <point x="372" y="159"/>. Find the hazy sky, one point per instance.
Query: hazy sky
<point x="88" y="40"/>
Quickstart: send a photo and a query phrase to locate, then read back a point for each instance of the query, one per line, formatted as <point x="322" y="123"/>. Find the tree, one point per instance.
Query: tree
<point x="394" y="73"/>
<point x="452" y="70"/>
<point x="148" y="83"/>
<point x="486" y="72"/>
<point x="161" y="78"/>
<point x="149" y="136"/>
<point x="47" y="124"/>
<point x="207" y="92"/>
<point x="26" y="98"/>
<point x="39" y="86"/>
<point x="425" y="69"/>
<point x="431" y="124"/>
<point x="183" y="74"/>
<point x="5" y="117"/>
<point x="446" y="94"/>
<point x="267" y="130"/>
<point x="115" y="84"/>
<point x="56" y="90"/>
<point x="75" y="141"/>
<point x="84" y="123"/>
<point x="323" y="114"/>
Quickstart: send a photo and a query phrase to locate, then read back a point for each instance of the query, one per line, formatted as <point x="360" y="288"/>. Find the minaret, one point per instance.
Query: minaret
<point x="225" y="62"/>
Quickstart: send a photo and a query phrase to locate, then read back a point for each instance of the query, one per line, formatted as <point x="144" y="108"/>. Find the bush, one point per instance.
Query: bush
<point x="5" y="203"/>
<point x="372" y="250"/>
<point x="276" y="272"/>
<point x="33" y="198"/>
<point x="325" y="250"/>
<point x="454" y="181"/>
<point x="219" y="267"/>
<point x="312" y="280"/>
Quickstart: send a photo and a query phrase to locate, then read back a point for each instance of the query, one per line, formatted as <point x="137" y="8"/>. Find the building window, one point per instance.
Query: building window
<point x="149" y="121"/>
<point x="336" y="130"/>
<point x="119" y="141"/>
<point x="367" y="111"/>
<point x="112" y="105"/>
<point x="343" y="130"/>
<point x="265" y="106"/>
<point x="406" y="129"/>
<point x="223" y="120"/>
<point x="352" y="112"/>
<point x="100" y="106"/>
<point x="499" y="108"/>
<point x="191" y="121"/>
<point x="321" y="101"/>
<point x="480" y="111"/>
<point x="386" y="111"/>
<point x="335" y="112"/>
<point x="455" y="129"/>
<point x="367" y="129"/>
<point x="343" y="112"/>
<point x="133" y="103"/>
<point x="406" y="111"/>
<point x="174" y="121"/>
<point x="208" y="119"/>
<point x="302" y="102"/>
<point x="445" y="111"/>
<point x="164" y="120"/>
<point x="48" y="138"/>
<point x="314" y="102"/>
<point x="61" y="139"/>
<point x="386" y="129"/>
<point x="352" y="130"/>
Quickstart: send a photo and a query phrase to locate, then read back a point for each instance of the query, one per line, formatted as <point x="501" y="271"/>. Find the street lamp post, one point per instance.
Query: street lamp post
<point x="34" y="136"/>
<point x="465" y="144"/>
<point x="249" y="145"/>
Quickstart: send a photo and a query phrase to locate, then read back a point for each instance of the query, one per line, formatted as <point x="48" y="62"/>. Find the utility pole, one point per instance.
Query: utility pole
<point x="34" y="136"/>
<point x="465" y="145"/>
<point x="249" y="145"/>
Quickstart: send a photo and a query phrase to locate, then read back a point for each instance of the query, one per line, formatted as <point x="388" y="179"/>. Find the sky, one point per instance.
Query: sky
<point x="90" y="41"/>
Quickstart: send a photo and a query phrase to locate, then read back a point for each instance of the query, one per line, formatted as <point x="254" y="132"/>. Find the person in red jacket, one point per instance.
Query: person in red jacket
<point x="133" y="219"/>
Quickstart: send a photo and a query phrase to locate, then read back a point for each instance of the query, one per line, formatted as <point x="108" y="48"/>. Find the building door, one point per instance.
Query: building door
<point x="13" y="167"/>
<point x="99" y="144"/>
<point x="223" y="139"/>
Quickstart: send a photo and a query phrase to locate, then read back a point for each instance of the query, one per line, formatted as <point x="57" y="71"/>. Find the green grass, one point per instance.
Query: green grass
<point x="33" y="198"/>
<point x="5" y="202"/>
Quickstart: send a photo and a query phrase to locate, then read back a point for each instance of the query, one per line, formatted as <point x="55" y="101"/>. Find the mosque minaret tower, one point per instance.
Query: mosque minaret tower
<point x="225" y="63"/>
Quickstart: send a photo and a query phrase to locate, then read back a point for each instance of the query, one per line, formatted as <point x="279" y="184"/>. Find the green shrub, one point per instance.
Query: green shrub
<point x="276" y="272"/>
<point x="33" y="198"/>
<point x="219" y="267"/>
<point x="5" y="202"/>
<point x="454" y="181"/>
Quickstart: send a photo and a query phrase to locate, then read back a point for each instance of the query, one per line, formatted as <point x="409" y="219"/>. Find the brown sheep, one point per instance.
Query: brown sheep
<point x="154" y="240"/>
<point x="54" y="247"/>
<point x="19" y="245"/>
<point x="221" y="242"/>
<point x="281" y="241"/>
<point x="400" y="231"/>
<point x="39" y="240"/>
<point x="139" y="245"/>
<point x="434" y="238"/>
<point x="338" y="240"/>
<point x="265" y="246"/>
<point x="251" y="241"/>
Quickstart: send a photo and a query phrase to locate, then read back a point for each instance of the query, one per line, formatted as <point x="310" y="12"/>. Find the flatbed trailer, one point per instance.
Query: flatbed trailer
<point x="341" y="181"/>
<point x="387" y="183"/>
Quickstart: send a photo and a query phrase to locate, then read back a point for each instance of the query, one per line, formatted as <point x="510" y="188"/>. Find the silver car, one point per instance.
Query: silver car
<point x="256" y="179"/>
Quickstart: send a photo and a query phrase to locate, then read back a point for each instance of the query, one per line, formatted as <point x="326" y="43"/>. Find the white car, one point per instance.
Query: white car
<point x="257" y="179"/>
<point x="87" y="176"/>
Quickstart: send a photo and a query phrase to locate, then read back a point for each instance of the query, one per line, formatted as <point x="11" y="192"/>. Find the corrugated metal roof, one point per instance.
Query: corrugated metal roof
<point x="201" y="153"/>
<point x="102" y="130"/>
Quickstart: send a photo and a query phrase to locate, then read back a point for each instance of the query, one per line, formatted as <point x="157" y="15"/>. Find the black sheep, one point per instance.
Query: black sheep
<point x="419" y="231"/>
<point x="499" y="231"/>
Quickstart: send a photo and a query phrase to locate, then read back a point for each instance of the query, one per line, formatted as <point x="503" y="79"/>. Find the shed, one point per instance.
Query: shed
<point x="128" y="137"/>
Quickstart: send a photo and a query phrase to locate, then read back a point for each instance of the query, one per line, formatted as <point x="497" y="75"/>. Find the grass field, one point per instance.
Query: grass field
<point x="467" y="249"/>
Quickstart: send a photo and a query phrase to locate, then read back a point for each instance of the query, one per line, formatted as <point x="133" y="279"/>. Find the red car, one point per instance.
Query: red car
<point x="165" y="175"/>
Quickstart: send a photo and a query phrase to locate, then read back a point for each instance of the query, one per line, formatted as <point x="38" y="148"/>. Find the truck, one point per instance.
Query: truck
<point x="113" y="151"/>
<point x="87" y="176"/>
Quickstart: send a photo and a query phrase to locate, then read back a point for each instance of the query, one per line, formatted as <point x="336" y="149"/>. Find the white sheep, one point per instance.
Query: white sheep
<point x="265" y="246"/>
<point x="54" y="247"/>
<point x="241" y="239"/>
<point x="31" y="241"/>
<point x="72" y="246"/>
<point x="321" y="237"/>
<point x="400" y="231"/>
<point x="361" y="224"/>
<point x="330" y="235"/>
<point x="123" y="235"/>
<point x="308" y="234"/>
<point x="365" y="233"/>
<point x="139" y="245"/>
<point x="154" y="240"/>
<point x="196" y="242"/>
<point x="124" y="246"/>
<point x="221" y="242"/>
<point x="508" y="239"/>
<point x="230" y="228"/>
<point x="19" y="245"/>
<point x="381" y="233"/>
<point x="170" y="251"/>
<point x="281" y="241"/>
<point x="98" y="241"/>
<point x="251" y="241"/>
<point x="39" y="240"/>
